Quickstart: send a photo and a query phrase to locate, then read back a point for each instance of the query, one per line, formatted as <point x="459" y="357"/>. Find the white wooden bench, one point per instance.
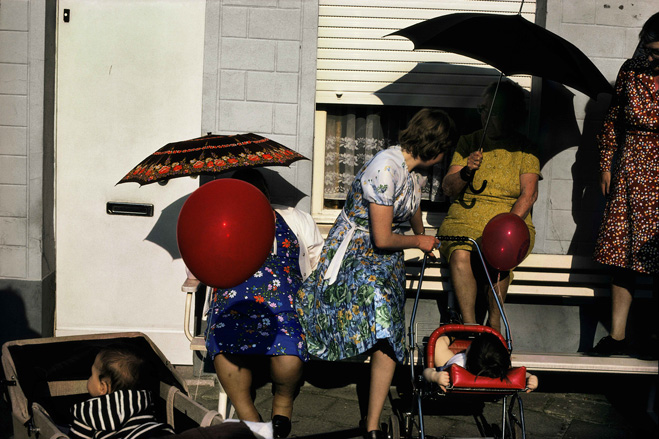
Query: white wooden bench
<point x="547" y="276"/>
<point x="538" y="275"/>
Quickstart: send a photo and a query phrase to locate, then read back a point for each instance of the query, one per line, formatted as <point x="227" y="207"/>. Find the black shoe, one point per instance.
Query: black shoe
<point x="375" y="434"/>
<point x="281" y="426"/>
<point x="609" y="346"/>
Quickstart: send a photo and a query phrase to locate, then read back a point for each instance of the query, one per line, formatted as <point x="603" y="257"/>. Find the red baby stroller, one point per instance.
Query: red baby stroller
<point x="462" y="382"/>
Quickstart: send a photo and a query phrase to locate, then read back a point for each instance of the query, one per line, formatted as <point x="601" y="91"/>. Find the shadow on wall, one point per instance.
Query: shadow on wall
<point x="164" y="230"/>
<point x="440" y="85"/>
<point x="13" y="317"/>
<point x="587" y="198"/>
<point x="559" y="131"/>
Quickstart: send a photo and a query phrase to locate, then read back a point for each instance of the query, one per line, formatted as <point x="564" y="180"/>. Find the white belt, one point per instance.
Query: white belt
<point x="335" y="264"/>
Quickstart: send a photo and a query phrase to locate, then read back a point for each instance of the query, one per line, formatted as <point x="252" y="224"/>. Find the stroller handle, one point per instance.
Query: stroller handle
<point x="453" y="238"/>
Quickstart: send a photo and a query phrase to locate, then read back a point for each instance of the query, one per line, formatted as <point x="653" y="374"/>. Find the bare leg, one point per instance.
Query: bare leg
<point x="286" y="373"/>
<point x="237" y="382"/>
<point x="621" y="301"/>
<point x="382" y="373"/>
<point x="494" y="317"/>
<point x="464" y="283"/>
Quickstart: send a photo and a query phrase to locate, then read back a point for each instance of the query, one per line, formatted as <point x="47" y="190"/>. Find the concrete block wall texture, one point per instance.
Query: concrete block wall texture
<point x="14" y="26"/>
<point x="259" y="75"/>
<point x="26" y="287"/>
<point x="570" y="205"/>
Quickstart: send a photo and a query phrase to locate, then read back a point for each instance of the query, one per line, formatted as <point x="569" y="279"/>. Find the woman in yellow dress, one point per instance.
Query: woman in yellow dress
<point x="509" y="163"/>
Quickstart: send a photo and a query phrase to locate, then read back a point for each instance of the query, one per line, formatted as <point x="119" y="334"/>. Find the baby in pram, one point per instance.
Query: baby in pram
<point x="122" y="407"/>
<point x="486" y="356"/>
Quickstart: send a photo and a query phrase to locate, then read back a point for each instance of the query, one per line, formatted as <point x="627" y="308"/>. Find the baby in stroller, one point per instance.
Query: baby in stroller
<point x="486" y="356"/>
<point x="122" y="407"/>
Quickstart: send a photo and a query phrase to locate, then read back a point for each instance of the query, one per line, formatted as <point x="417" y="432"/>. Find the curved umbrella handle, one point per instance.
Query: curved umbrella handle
<point x="473" y="189"/>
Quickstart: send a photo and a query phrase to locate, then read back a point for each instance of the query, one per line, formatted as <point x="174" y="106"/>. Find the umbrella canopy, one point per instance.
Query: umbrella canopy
<point x="511" y="44"/>
<point x="210" y="154"/>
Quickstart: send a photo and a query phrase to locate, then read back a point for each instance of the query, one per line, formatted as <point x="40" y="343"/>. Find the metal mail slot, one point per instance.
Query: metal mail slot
<point x="134" y="209"/>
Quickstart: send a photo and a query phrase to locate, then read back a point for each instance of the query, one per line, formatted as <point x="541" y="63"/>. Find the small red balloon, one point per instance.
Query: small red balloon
<point x="225" y="232"/>
<point x="506" y="241"/>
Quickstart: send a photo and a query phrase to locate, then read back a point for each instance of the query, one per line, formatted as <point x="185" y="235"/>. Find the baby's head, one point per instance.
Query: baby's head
<point x="115" y="368"/>
<point x="487" y="356"/>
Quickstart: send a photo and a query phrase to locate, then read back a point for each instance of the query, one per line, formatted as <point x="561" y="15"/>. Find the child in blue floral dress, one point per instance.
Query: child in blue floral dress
<point x="256" y="320"/>
<point x="354" y="301"/>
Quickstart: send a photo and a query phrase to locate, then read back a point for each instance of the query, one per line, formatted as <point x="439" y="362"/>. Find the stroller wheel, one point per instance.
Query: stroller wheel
<point x="393" y="428"/>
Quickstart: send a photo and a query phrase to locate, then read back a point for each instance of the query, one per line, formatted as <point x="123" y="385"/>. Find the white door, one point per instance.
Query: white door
<point x="129" y="80"/>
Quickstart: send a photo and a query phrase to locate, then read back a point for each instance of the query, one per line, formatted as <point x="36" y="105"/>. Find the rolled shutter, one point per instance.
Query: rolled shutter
<point x="358" y="65"/>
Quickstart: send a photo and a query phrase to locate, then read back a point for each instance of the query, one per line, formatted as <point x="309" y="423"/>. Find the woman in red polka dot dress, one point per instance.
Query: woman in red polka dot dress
<point x="629" y="177"/>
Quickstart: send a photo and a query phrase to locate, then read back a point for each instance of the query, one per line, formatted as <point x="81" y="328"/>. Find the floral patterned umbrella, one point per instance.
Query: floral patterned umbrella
<point x="210" y="154"/>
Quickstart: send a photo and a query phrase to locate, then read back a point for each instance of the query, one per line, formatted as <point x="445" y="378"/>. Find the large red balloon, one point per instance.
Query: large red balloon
<point x="225" y="232"/>
<point x="506" y="241"/>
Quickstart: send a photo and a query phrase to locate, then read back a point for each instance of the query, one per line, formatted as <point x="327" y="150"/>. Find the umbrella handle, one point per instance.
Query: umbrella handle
<point x="477" y="191"/>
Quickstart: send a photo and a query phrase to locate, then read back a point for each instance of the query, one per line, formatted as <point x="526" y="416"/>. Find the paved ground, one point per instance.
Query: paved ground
<point x="565" y="406"/>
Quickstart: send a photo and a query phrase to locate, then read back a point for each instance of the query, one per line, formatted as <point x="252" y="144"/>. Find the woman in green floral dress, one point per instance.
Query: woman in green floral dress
<point x="353" y="302"/>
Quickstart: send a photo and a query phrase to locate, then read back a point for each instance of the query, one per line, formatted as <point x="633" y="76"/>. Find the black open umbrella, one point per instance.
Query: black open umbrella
<point x="513" y="45"/>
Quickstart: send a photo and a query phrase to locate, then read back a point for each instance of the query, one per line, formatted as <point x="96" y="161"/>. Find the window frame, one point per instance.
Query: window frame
<point x="321" y="214"/>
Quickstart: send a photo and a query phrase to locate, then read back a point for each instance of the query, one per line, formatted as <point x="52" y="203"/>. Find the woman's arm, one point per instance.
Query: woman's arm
<point x="453" y="182"/>
<point x="417" y="223"/>
<point x="529" y="193"/>
<point x="381" y="218"/>
<point x="613" y="127"/>
<point x="605" y="182"/>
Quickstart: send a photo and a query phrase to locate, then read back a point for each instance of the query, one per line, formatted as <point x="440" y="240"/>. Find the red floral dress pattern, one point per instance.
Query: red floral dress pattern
<point x="629" y="149"/>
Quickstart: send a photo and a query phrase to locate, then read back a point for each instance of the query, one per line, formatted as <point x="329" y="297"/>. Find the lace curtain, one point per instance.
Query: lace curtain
<point x="355" y="134"/>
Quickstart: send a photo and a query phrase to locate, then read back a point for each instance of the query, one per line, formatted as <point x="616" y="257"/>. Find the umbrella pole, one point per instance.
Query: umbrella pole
<point x="487" y="122"/>
<point x="480" y="146"/>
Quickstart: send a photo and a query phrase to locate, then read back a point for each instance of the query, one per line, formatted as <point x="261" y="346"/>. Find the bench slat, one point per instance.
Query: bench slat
<point x="583" y="363"/>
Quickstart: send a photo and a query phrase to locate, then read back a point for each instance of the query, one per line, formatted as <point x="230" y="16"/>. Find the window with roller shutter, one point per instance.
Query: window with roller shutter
<point x="368" y="85"/>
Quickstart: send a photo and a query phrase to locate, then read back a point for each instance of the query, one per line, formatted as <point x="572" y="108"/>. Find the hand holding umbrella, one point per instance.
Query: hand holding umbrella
<point x="473" y="164"/>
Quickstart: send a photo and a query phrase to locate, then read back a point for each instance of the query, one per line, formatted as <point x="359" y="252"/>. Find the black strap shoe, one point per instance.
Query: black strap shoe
<point x="281" y="426"/>
<point x="609" y="346"/>
<point x="375" y="434"/>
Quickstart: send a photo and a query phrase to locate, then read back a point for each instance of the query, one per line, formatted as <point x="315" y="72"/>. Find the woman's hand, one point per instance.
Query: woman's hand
<point x="474" y="161"/>
<point x="605" y="182"/>
<point x="453" y="182"/>
<point x="427" y="243"/>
